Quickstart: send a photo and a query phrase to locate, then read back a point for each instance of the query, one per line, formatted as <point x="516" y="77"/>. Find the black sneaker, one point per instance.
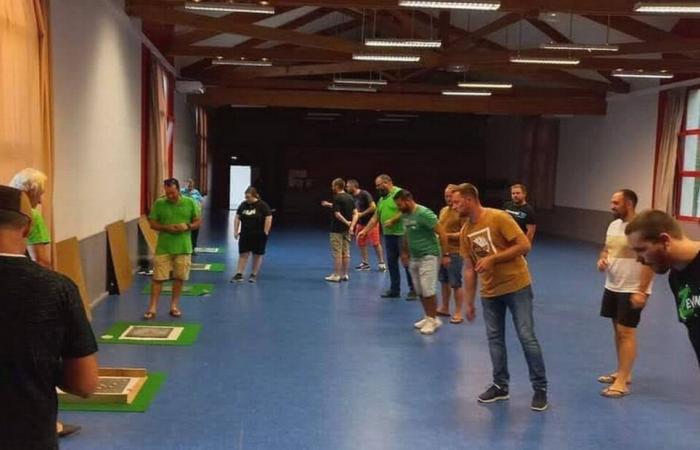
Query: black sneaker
<point x="252" y="278"/>
<point x="363" y="267"/>
<point x="237" y="278"/>
<point x="539" y="400"/>
<point x="390" y="294"/>
<point x="493" y="394"/>
<point x="411" y="296"/>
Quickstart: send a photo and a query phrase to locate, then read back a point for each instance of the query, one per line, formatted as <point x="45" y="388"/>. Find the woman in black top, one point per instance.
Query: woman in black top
<point x="251" y="228"/>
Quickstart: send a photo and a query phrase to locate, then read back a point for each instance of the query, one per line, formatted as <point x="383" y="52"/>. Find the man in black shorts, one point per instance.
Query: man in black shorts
<point x="627" y="287"/>
<point x="45" y="338"/>
<point x="659" y="242"/>
<point x="251" y="227"/>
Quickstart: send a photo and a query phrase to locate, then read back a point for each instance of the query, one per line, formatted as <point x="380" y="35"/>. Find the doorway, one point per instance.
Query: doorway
<point x="239" y="181"/>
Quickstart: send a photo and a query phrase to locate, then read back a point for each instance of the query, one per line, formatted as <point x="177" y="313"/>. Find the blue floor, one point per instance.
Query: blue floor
<point x="296" y="363"/>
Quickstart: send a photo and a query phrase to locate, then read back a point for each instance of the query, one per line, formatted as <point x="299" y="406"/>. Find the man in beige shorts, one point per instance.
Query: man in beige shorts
<point x="342" y="225"/>
<point x="174" y="217"/>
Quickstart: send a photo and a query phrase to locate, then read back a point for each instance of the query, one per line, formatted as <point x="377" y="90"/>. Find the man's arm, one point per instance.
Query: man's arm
<point x="469" y="287"/>
<point x="268" y="224"/>
<point x="167" y="228"/>
<point x="405" y="256"/>
<point x="353" y="222"/>
<point x="80" y="376"/>
<point x="530" y="232"/>
<point x="393" y="220"/>
<point x="42" y="254"/>
<point x="368" y="211"/>
<point x="520" y="246"/>
<point x="639" y="298"/>
<point x="444" y="237"/>
<point x="371" y="224"/>
<point x="603" y="259"/>
<point x="237" y="226"/>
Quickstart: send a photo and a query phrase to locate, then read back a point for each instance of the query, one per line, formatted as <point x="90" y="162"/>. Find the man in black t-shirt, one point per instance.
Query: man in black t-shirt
<point x="251" y="227"/>
<point x="364" y="203"/>
<point x="521" y="211"/>
<point x="45" y="339"/>
<point x="343" y="224"/>
<point x="660" y="243"/>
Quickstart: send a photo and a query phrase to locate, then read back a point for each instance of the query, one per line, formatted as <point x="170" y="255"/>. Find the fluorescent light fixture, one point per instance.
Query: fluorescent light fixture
<point x="468" y="93"/>
<point x="229" y="7"/>
<point x="477" y="85"/>
<point x="668" y="7"/>
<point x="242" y="62"/>
<point x="550" y="61"/>
<point x="335" y="87"/>
<point x="479" y="5"/>
<point x="403" y="43"/>
<point x="359" y="81"/>
<point x="662" y="74"/>
<point x="385" y="58"/>
<point x="582" y="47"/>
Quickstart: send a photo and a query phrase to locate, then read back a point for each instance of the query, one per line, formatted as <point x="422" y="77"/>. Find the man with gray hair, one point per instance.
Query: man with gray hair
<point x="33" y="182"/>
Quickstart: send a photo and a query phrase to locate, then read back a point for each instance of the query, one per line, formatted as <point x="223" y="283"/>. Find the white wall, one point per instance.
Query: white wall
<point x="598" y="155"/>
<point x="185" y="145"/>
<point x="96" y="62"/>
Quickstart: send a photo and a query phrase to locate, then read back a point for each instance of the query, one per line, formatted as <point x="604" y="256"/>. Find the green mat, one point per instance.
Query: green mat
<point x="208" y="267"/>
<point x="140" y="404"/>
<point x="190" y="289"/>
<point x="209" y="249"/>
<point x="187" y="337"/>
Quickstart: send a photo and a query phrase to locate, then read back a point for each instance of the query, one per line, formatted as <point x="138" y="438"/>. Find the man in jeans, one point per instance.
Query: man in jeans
<point x="493" y="246"/>
<point x="420" y="251"/>
<point x="389" y="216"/>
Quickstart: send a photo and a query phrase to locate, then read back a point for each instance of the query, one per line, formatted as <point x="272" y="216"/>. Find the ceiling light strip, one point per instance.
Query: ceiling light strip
<point x="668" y="7"/>
<point x="229" y="7"/>
<point x="476" y="85"/>
<point x="241" y="62"/>
<point x="484" y="5"/>
<point x="334" y="87"/>
<point x="662" y="74"/>
<point x="467" y="93"/>
<point x="385" y="58"/>
<point x="365" y="82"/>
<point x="549" y="61"/>
<point x="581" y="47"/>
<point x="403" y="43"/>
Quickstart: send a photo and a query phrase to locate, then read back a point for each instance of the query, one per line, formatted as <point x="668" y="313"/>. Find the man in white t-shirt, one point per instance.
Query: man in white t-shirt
<point x="627" y="287"/>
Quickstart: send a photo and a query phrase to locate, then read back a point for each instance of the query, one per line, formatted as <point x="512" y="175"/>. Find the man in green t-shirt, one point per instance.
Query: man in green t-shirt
<point x="388" y="215"/>
<point x="421" y="251"/>
<point x="174" y="217"/>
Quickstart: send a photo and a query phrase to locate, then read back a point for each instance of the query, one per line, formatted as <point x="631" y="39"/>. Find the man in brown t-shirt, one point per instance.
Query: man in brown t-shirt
<point x="450" y="274"/>
<point x="492" y="246"/>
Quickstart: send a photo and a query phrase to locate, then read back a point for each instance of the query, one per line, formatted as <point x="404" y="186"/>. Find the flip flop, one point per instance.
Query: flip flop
<point x="68" y="429"/>
<point x="614" y="393"/>
<point x="175" y="313"/>
<point x="149" y="315"/>
<point x="608" y="379"/>
<point x="443" y="314"/>
<point x="456" y="321"/>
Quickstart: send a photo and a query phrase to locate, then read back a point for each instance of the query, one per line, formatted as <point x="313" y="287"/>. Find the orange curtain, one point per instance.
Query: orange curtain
<point x="25" y="92"/>
<point x="202" y="151"/>
<point x="667" y="152"/>
<point x="160" y="133"/>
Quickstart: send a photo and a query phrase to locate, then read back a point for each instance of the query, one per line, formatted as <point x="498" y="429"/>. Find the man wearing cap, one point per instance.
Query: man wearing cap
<point x="45" y="340"/>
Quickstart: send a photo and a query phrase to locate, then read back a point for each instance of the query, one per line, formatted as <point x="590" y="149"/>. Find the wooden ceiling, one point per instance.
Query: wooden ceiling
<point x="304" y="64"/>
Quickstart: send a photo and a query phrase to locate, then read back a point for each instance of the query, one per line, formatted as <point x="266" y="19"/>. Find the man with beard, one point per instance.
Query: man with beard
<point x="521" y="210"/>
<point x="389" y="216"/>
<point x="364" y="203"/>
<point x="659" y="242"/>
<point x="627" y="287"/>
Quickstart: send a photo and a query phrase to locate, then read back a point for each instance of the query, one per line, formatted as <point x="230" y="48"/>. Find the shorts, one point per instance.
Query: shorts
<point x="371" y="238"/>
<point x="179" y="265"/>
<point x="617" y="306"/>
<point x="452" y="274"/>
<point x="255" y="243"/>
<point x="424" y="273"/>
<point x="340" y="245"/>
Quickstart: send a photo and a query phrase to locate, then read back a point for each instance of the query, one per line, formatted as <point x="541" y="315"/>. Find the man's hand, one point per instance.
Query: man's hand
<point x="236" y="235"/>
<point x="471" y="312"/>
<point x="351" y="230"/>
<point x="392" y="222"/>
<point x="446" y="260"/>
<point x="326" y="204"/>
<point x="404" y="259"/>
<point x="177" y="228"/>
<point x="603" y="264"/>
<point x="362" y="234"/>
<point x="638" y="300"/>
<point x="485" y="264"/>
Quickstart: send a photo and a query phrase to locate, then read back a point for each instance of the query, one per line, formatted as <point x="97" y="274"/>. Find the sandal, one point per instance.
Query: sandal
<point x="614" y="393"/>
<point x="443" y="314"/>
<point x="149" y="315"/>
<point x="456" y="320"/>
<point x="609" y="379"/>
<point x="175" y="313"/>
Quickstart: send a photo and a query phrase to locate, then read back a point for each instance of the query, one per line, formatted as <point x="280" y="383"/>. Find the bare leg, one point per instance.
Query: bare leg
<point x="459" y="302"/>
<point x="177" y="293"/>
<point x="257" y="262"/>
<point x="156" y="288"/>
<point x="364" y="253"/>
<point x="242" y="262"/>
<point x="446" y="292"/>
<point x="380" y="253"/>
<point x="338" y="265"/>
<point x="627" y="352"/>
<point x="346" y="266"/>
<point x="429" y="306"/>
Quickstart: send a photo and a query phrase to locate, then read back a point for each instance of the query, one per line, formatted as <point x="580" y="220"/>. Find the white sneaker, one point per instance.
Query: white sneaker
<point x="333" y="278"/>
<point x="381" y="267"/>
<point x="421" y="323"/>
<point x="431" y="326"/>
<point x="345" y="278"/>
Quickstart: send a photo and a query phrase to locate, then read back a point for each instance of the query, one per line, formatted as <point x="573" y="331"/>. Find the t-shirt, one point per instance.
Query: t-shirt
<point x="194" y="194"/>
<point x="185" y="210"/>
<point x="624" y="272"/>
<point x="494" y="232"/>
<point x="386" y="209"/>
<point x="39" y="233"/>
<point x="43" y="322"/>
<point x="363" y="200"/>
<point x="420" y="232"/>
<point x="252" y="216"/>
<point x="345" y="205"/>
<point x="685" y="285"/>
<point x="451" y="223"/>
<point x="524" y="215"/>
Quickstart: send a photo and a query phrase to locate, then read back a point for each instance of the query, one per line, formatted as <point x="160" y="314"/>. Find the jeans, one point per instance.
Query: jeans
<point x="393" y="253"/>
<point x="520" y="305"/>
